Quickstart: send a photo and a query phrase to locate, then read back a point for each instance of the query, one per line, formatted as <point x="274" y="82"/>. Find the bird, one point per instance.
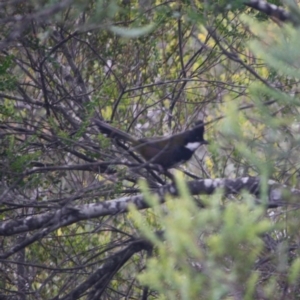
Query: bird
<point x="167" y="152"/>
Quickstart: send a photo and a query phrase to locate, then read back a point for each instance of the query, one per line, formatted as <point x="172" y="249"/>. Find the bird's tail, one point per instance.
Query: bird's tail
<point x="113" y="132"/>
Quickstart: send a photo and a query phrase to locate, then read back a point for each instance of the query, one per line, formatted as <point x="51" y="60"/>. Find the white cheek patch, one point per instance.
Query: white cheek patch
<point x="192" y="146"/>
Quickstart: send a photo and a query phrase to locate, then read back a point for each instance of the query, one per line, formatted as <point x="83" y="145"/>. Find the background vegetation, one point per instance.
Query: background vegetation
<point x="150" y="68"/>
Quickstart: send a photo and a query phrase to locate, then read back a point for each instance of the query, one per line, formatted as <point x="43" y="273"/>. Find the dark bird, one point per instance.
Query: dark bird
<point x="167" y="152"/>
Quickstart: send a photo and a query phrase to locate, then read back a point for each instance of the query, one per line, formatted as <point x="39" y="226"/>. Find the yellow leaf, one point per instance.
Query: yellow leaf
<point x="106" y="112"/>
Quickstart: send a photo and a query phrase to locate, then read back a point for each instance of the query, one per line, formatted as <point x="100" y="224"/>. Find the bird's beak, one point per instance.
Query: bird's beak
<point x="204" y="142"/>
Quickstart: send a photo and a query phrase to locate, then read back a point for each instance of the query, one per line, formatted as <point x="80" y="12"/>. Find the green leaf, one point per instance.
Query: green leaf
<point x="132" y="32"/>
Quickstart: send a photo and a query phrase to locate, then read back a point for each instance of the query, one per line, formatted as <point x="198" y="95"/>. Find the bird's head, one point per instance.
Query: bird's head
<point x="197" y="133"/>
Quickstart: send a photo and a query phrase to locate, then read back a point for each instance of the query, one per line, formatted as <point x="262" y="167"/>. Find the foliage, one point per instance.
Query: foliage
<point x="149" y="68"/>
<point x="202" y="254"/>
